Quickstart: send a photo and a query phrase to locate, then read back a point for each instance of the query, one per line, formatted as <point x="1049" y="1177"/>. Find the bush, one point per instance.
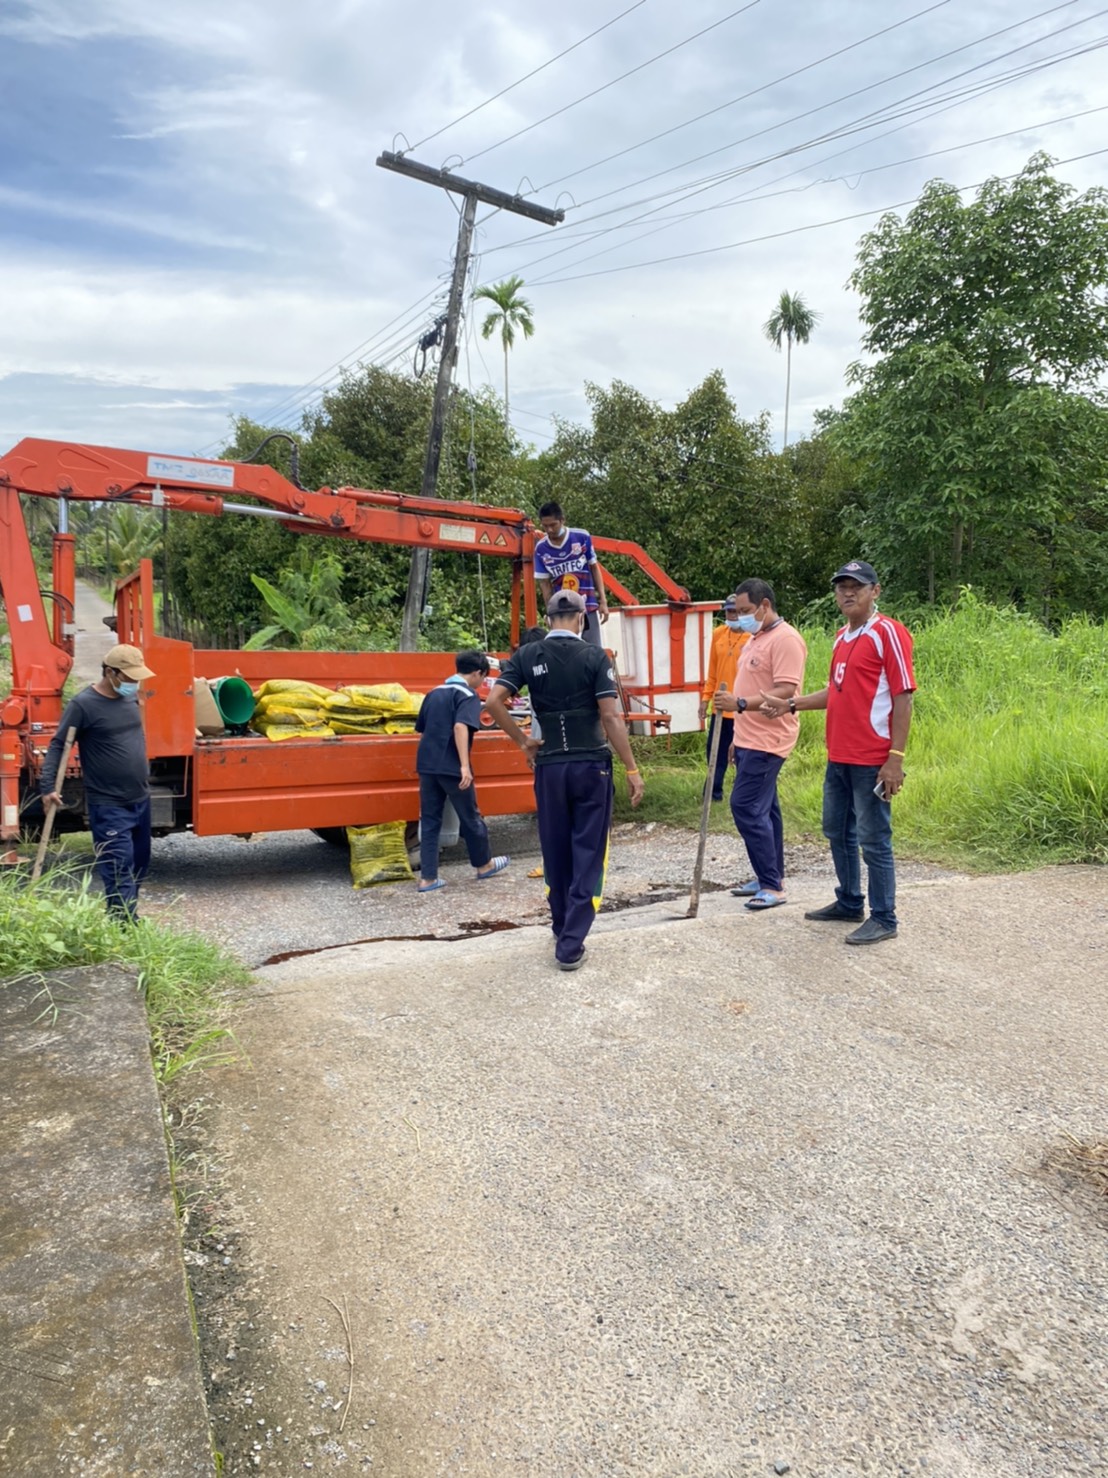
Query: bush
<point x="1007" y="763"/>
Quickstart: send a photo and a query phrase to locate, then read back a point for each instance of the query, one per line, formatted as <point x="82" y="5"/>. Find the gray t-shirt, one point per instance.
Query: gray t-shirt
<point x="112" y="747"/>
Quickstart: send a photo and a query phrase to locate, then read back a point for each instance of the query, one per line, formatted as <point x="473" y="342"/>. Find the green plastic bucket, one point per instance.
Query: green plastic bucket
<point x="235" y="701"/>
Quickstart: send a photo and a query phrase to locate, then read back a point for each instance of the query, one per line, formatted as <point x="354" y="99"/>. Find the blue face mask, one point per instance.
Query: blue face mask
<point x="127" y="690"/>
<point x="750" y="624"/>
<point x="733" y="624"/>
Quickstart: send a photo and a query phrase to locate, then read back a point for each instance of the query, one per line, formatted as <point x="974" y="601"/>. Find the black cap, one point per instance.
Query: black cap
<point x="565" y="603"/>
<point x="856" y="569"/>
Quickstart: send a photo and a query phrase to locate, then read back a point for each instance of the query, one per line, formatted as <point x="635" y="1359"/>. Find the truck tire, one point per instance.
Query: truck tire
<point x="334" y="836"/>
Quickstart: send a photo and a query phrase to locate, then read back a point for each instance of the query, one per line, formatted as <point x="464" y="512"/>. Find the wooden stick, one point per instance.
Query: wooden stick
<point x="48" y="824"/>
<point x="344" y="1315"/>
<point x="705" y="812"/>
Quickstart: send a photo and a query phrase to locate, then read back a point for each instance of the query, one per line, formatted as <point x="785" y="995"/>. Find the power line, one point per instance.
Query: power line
<point x="733" y="102"/>
<point x="404" y="313"/>
<point x="792" y="231"/>
<point x="615" y="80"/>
<point x="869" y="87"/>
<point x="526" y="78"/>
<point x="384" y="344"/>
<point x="695" y="186"/>
<point x="930" y="107"/>
<point x="749" y="198"/>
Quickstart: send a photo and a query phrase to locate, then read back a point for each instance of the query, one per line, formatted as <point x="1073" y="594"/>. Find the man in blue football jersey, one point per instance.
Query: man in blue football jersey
<point x="564" y="560"/>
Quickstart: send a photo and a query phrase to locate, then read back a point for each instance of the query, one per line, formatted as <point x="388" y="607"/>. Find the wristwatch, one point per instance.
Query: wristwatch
<point x="742" y="705"/>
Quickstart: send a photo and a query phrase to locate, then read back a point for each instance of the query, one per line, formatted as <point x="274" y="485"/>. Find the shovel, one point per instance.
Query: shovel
<point x="48" y="824"/>
<point x="705" y="812"/>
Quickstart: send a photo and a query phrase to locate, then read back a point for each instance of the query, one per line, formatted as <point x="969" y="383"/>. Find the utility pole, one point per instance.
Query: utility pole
<point x="471" y="192"/>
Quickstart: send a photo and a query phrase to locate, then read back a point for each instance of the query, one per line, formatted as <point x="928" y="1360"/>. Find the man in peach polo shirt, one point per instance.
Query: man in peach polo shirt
<point x="772" y="662"/>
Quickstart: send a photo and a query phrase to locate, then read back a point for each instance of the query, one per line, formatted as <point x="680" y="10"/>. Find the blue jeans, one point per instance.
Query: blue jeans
<point x="434" y="791"/>
<point x="757" y="813"/>
<point x="853" y="816"/>
<point x="121" y="837"/>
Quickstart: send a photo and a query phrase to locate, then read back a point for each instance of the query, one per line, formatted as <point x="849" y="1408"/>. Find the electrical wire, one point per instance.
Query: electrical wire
<point x="406" y="314"/>
<point x="596" y="91"/>
<point x="796" y="230"/>
<point x="733" y="102"/>
<point x="869" y="87"/>
<point x="750" y="197"/>
<point x="930" y="108"/>
<point x="397" y="344"/>
<point x="724" y="175"/>
<point x="526" y="78"/>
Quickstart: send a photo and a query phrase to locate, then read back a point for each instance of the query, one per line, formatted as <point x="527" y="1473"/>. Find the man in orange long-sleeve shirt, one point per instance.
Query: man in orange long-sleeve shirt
<point x="728" y="641"/>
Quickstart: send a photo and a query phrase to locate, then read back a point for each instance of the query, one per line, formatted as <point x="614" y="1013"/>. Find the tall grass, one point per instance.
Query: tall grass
<point x="189" y="984"/>
<point x="1007" y="762"/>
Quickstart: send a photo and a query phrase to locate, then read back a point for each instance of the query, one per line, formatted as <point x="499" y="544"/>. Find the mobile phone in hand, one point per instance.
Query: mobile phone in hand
<point x="880" y="793"/>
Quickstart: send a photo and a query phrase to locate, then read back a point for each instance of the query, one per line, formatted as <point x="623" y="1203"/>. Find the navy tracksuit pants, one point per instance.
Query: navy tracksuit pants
<point x="121" y="839"/>
<point x="574" y="800"/>
<point x="757" y="813"/>
<point x="434" y="792"/>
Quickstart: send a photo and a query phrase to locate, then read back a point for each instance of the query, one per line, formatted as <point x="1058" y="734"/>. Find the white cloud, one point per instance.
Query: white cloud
<point x="231" y="228"/>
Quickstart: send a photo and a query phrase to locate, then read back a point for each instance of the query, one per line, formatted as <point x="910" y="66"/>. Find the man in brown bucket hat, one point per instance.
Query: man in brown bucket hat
<point x="116" y="775"/>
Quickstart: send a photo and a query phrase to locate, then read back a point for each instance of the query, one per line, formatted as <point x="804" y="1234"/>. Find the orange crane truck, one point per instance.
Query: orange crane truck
<point x="241" y="783"/>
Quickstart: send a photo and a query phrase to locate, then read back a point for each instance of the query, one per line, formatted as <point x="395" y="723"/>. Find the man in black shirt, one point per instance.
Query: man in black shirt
<point x="116" y="774"/>
<point x="448" y="718"/>
<point x="573" y="695"/>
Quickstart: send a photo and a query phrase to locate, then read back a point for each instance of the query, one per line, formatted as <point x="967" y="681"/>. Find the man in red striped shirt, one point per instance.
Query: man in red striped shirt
<point x="869" y="711"/>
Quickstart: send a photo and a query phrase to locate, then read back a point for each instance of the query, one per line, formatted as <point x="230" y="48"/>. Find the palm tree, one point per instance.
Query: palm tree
<point x="511" y="312"/>
<point x="791" y="320"/>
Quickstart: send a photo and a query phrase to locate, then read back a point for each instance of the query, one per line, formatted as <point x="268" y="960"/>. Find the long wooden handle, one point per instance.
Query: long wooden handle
<point x="705" y="812"/>
<point x="48" y="824"/>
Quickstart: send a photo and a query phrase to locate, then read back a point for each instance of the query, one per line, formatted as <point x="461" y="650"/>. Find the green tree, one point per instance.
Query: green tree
<point x="306" y="605"/>
<point x="369" y="431"/>
<point x="134" y="534"/>
<point x="511" y="312"/>
<point x="979" y="426"/>
<point x="696" y="486"/>
<point x="793" y="321"/>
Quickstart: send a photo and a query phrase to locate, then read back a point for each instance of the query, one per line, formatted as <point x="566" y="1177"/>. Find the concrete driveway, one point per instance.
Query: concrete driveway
<point x="733" y="1199"/>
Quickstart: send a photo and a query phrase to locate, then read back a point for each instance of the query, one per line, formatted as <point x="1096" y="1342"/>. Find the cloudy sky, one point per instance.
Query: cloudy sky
<point x="192" y="223"/>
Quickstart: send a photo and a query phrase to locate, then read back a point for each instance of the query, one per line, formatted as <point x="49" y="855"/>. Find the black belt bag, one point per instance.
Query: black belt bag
<point x="566" y="729"/>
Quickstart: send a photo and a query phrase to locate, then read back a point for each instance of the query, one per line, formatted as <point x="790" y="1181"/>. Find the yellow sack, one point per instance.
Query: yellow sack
<point x="295" y="731"/>
<point x="356" y="726"/>
<point x="292" y="685"/>
<point x="378" y="854"/>
<point x="305" y="701"/>
<point x="386" y="698"/>
<point x="272" y="710"/>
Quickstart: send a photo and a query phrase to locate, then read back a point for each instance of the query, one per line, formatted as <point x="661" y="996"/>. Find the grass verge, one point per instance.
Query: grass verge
<point x="1007" y="762"/>
<point x="190" y="985"/>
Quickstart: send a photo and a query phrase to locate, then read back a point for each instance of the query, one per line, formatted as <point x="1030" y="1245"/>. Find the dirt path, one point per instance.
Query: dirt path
<point x="732" y="1196"/>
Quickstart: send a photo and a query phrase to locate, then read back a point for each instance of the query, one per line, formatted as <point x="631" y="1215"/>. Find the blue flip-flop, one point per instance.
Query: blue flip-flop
<point x="747" y="890"/>
<point x="763" y="900"/>
<point x="433" y="887"/>
<point x="498" y="865"/>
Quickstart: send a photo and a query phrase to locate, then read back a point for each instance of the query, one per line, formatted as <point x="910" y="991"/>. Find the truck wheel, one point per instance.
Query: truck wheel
<point x="334" y="836"/>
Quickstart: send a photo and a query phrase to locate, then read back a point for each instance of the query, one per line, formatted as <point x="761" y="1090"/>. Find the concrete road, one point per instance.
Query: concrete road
<point x="732" y="1199"/>
<point x="93" y="637"/>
